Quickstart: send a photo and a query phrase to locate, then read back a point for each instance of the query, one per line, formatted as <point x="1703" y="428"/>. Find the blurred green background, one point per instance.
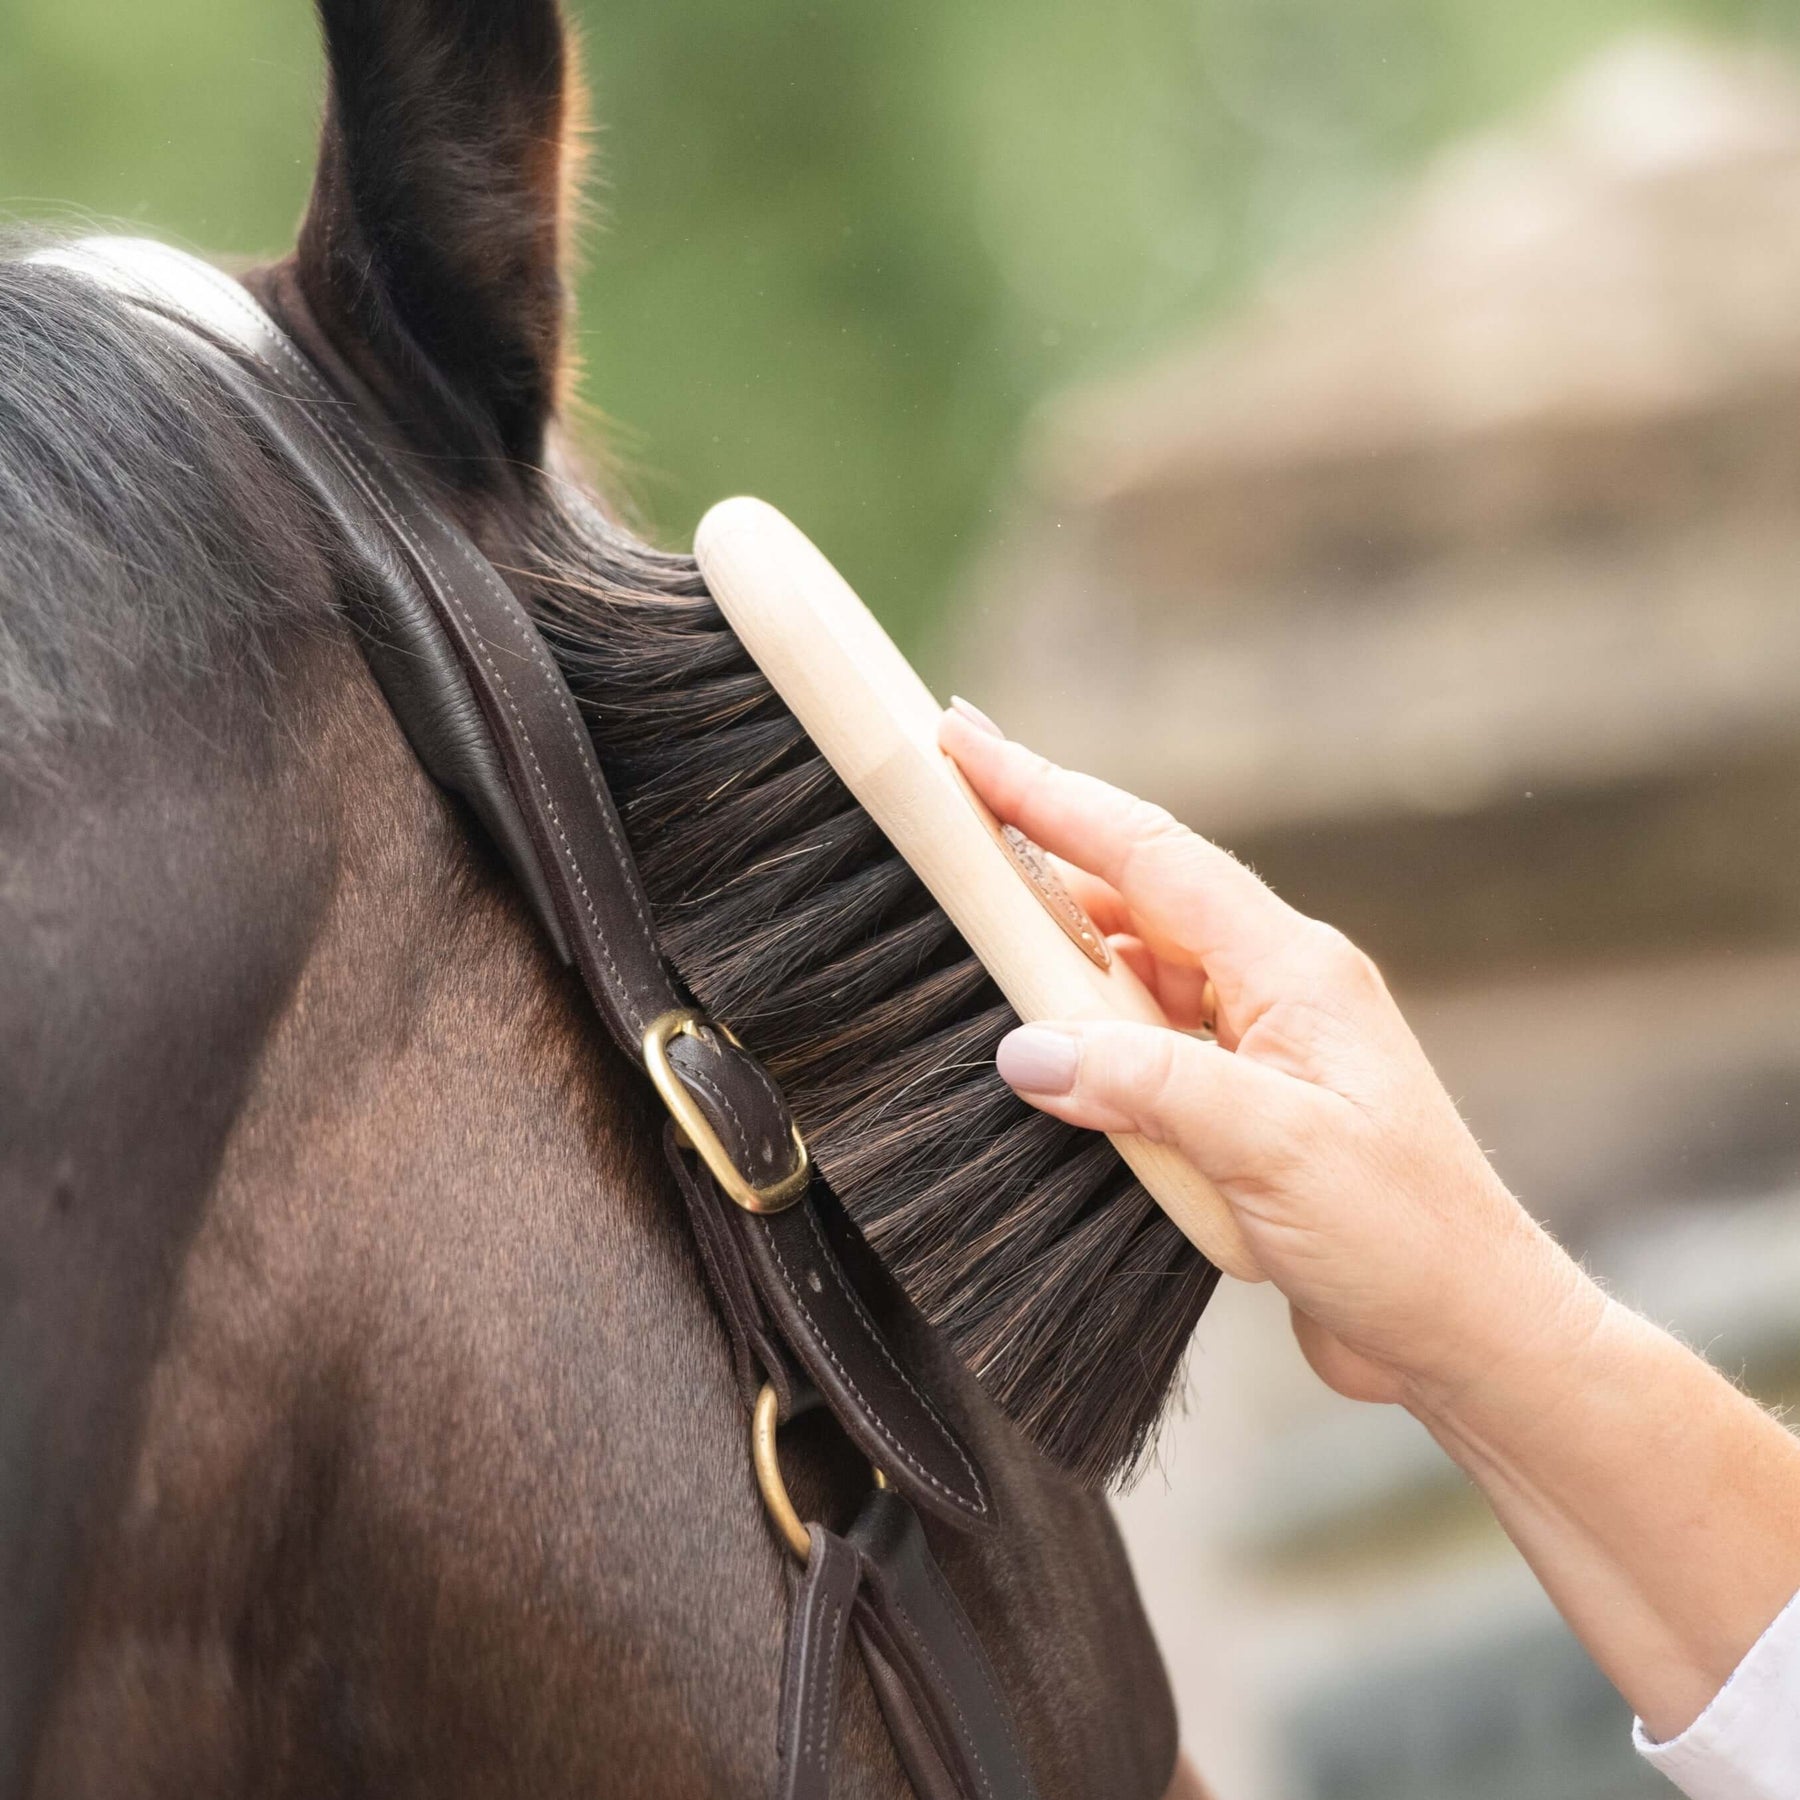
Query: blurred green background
<point x="839" y="251"/>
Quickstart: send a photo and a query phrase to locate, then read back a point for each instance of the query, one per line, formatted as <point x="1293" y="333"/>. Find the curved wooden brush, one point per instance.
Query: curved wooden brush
<point x="875" y="722"/>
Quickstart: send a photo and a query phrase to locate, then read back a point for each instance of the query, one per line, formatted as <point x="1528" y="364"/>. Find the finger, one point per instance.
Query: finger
<point x="1100" y="900"/>
<point x="1135" y="954"/>
<point x="1187" y="898"/>
<point x="1179" y="992"/>
<point x="1233" y="1118"/>
<point x="1179" y="987"/>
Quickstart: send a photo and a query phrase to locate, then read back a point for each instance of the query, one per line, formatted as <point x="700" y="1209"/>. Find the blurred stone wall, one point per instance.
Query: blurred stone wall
<point x="1457" y="587"/>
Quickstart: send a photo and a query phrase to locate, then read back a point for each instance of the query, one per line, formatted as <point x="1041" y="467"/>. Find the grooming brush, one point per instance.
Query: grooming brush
<point x="827" y="885"/>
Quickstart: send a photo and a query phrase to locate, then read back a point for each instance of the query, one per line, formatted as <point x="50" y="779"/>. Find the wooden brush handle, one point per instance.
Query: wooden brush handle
<point x="876" y="723"/>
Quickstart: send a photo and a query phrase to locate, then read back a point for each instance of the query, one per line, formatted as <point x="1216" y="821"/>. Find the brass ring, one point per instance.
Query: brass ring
<point x="697" y="1127"/>
<point x="763" y="1453"/>
<point x="768" y="1474"/>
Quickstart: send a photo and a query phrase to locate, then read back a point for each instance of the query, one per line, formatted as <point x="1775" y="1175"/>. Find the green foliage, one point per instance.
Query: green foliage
<point x="845" y="248"/>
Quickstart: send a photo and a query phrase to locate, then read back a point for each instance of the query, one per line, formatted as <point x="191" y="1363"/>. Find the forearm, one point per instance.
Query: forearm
<point x="1659" y="1507"/>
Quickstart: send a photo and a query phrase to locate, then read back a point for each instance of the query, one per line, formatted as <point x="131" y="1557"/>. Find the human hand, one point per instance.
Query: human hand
<point x="1410" y="1269"/>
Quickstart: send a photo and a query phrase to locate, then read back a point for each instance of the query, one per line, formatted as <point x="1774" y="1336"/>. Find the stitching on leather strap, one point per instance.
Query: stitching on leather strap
<point x="358" y="469"/>
<point x="369" y="490"/>
<point x="815" y="1733"/>
<point x="976" y="1499"/>
<point x="874" y="1332"/>
<point x="701" y="1078"/>
<point x="935" y="1575"/>
<point x="552" y="679"/>
<point x="747" y="1062"/>
<point x="947" y="1688"/>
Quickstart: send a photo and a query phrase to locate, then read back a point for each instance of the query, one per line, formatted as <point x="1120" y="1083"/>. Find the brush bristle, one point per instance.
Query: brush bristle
<point x="1028" y="1243"/>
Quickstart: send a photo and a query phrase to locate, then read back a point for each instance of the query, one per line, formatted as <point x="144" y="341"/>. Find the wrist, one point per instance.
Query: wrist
<point x="1540" y="1322"/>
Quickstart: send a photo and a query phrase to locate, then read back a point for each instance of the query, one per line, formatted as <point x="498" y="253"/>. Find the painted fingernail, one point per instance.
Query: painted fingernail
<point x="1037" y="1059"/>
<point x="975" y="715"/>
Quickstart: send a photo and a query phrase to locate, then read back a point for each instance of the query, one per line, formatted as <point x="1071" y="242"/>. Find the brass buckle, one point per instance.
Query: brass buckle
<point x="768" y="1475"/>
<point x="697" y="1127"/>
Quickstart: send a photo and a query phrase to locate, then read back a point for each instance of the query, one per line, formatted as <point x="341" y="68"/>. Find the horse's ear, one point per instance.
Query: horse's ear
<point x="431" y="252"/>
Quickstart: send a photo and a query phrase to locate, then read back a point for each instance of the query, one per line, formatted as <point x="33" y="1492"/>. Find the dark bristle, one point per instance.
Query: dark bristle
<point x="1029" y="1244"/>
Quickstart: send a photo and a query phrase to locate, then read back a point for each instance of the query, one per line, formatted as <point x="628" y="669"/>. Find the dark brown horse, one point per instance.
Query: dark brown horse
<point x="364" y="1424"/>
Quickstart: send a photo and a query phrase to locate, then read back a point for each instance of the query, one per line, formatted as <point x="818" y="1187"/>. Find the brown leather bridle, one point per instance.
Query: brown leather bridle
<point x="489" y="715"/>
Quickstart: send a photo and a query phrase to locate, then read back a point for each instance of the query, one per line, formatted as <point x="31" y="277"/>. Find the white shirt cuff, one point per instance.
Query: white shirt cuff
<point x="1746" y="1745"/>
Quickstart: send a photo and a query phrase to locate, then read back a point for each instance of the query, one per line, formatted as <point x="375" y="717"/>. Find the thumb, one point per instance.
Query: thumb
<point x="1231" y="1117"/>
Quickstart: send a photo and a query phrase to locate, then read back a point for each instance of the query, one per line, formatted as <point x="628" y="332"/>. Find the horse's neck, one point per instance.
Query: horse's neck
<point x="295" y="1066"/>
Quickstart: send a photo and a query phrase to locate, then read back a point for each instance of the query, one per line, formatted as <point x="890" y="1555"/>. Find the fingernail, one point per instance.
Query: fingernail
<point x="1036" y="1059"/>
<point x="975" y="715"/>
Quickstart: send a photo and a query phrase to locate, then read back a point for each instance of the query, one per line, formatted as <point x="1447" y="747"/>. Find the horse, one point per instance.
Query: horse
<point x="365" y="1422"/>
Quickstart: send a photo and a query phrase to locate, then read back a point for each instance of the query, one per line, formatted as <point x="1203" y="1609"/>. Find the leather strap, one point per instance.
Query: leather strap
<point x="779" y="1280"/>
<point x="944" y="1707"/>
<point x="945" y="1711"/>
<point x="812" y="1671"/>
<point x="492" y="719"/>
